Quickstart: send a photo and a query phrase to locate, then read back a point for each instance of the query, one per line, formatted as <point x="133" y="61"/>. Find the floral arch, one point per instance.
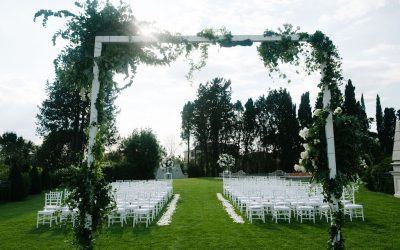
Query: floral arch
<point x="285" y="46"/>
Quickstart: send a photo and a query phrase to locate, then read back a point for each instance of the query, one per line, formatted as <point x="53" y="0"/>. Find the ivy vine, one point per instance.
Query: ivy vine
<point x="316" y="52"/>
<point x="74" y="67"/>
<point x="221" y="37"/>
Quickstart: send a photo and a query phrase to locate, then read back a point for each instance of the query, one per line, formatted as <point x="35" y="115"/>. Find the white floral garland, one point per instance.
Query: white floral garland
<point x="229" y="209"/>
<point x="166" y="218"/>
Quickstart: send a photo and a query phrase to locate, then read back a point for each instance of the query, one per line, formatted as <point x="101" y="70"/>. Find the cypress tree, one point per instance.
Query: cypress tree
<point x="350" y="104"/>
<point x="362" y="114"/>
<point x="379" y="119"/>
<point x="304" y="113"/>
<point x="389" y="125"/>
<point x="318" y="103"/>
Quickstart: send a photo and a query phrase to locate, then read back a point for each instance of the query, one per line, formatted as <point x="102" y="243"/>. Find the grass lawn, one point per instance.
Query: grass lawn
<point x="201" y="223"/>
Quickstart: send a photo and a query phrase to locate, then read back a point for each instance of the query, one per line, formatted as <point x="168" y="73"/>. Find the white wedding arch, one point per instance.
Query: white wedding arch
<point x="100" y="40"/>
<point x="95" y="88"/>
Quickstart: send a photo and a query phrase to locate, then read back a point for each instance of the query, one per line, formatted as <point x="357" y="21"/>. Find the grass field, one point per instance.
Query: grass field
<point x="201" y="223"/>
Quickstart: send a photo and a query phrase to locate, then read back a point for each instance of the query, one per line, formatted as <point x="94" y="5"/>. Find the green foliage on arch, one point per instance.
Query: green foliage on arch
<point x="74" y="71"/>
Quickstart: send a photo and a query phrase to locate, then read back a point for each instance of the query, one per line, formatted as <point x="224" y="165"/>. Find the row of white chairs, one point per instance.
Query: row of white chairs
<point x="140" y="201"/>
<point x="55" y="210"/>
<point x="283" y="199"/>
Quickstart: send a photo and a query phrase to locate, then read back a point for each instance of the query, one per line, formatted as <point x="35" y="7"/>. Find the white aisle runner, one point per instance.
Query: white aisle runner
<point x="229" y="209"/>
<point x="167" y="216"/>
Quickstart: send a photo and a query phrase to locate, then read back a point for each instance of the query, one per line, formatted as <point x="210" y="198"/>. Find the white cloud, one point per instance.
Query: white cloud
<point x="352" y="10"/>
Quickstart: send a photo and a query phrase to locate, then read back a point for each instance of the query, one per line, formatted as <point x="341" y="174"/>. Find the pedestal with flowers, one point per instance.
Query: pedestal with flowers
<point x="226" y="162"/>
<point x="167" y="164"/>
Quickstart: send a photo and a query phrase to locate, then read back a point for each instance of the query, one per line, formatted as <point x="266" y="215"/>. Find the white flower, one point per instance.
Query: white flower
<point x="226" y="161"/>
<point x="167" y="216"/>
<point x="306" y="146"/>
<point x="299" y="168"/>
<point x="304" y="155"/>
<point x="317" y="112"/>
<point x="304" y="133"/>
<point x="337" y="111"/>
<point x="167" y="162"/>
<point x="314" y="164"/>
<point x="316" y="141"/>
<point x="363" y="164"/>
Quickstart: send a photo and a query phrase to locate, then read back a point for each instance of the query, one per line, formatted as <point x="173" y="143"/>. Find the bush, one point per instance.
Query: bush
<point x="378" y="177"/>
<point x="36" y="183"/>
<point x="45" y="179"/>
<point x="19" y="184"/>
<point x="4" y="172"/>
<point x="194" y="171"/>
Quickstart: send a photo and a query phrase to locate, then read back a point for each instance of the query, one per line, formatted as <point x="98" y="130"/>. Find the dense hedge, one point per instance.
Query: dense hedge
<point x="378" y="177"/>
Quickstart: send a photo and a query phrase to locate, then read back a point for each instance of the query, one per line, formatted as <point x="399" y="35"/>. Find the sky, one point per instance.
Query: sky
<point x="365" y="32"/>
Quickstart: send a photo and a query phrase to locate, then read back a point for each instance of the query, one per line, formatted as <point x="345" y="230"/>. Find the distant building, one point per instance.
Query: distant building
<point x="192" y="154"/>
<point x="176" y="172"/>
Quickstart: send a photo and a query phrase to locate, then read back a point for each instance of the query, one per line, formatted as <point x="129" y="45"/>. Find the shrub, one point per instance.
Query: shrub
<point x="378" y="177"/>
<point x="4" y="190"/>
<point x="45" y="179"/>
<point x="36" y="183"/>
<point x="4" y="172"/>
<point x="19" y="184"/>
<point x="194" y="171"/>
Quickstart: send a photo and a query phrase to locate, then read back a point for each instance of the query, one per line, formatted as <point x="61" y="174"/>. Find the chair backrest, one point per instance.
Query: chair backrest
<point x="53" y="198"/>
<point x="348" y="194"/>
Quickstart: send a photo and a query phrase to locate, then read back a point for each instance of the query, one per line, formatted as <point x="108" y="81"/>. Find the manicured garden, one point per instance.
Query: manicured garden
<point x="200" y="222"/>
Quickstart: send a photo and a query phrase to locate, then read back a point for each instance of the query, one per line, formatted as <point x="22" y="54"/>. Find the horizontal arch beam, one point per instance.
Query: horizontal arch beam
<point x="179" y="39"/>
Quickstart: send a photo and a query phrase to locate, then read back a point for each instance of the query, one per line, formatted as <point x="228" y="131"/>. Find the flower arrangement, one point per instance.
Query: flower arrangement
<point x="226" y="161"/>
<point x="347" y="148"/>
<point x="167" y="162"/>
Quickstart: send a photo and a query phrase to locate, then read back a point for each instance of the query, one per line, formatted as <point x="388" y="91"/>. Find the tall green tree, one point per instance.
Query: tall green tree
<point x="187" y="124"/>
<point x="304" y="113"/>
<point x="389" y="126"/>
<point x="62" y="121"/>
<point x="16" y="153"/>
<point x="237" y="127"/>
<point x="350" y="102"/>
<point x="249" y="130"/>
<point x="212" y="120"/>
<point x="142" y="155"/>
<point x="279" y="128"/>
<point x="362" y="114"/>
<point x="379" y="120"/>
